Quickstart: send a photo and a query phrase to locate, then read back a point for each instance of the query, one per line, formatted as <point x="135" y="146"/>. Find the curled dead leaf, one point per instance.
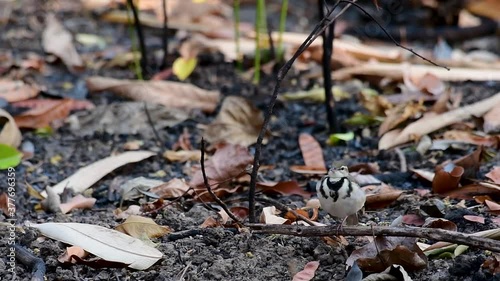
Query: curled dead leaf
<point x="77" y="202"/>
<point x="447" y="179"/>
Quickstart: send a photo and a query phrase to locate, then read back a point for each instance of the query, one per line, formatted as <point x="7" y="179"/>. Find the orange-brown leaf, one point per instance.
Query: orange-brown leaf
<point x="13" y="91"/>
<point x="42" y="117"/>
<point x="446" y="181"/>
<point x="311" y="151"/>
<point x="77" y="202"/>
<point x="283" y="188"/>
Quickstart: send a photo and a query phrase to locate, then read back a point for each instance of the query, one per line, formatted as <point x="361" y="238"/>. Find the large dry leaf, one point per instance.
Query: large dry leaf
<point x="13" y="91"/>
<point x="77" y="202"/>
<point x="447" y="179"/>
<point x="311" y="151"/>
<point x="397" y="71"/>
<point x="384" y="251"/>
<point x="492" y="120"/>
<point x="58" y="41"/>
<point x="399" y="114"/>
<point x="470" y="137"/>
<point x="285" y="188"/>
<point x="140" y="227"/>
<point x="43" y="116"/>
<point x="307" y="273"/>
<point x="167" y="93"/>
<point x="380" y="196"/>
<point x="228" y="162"/>
<point x="431" y="123"/>
<point x="238" y="122"/>
<point x="105" y="243"/>
<point x="171" y="189"/>
<point x="10" y="134"/>
<point x="85" y="177"/>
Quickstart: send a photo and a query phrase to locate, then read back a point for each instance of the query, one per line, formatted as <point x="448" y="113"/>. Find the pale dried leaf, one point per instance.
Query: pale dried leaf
<point x="238" y="122"/>
<point x="182" y="155"/>
<point x="492" y="120"/>
<point x="108" y="244"/>
<point x="494" y="174"/>
<point x="167" y="93"/>
<point x="10" y="134"/>
<point x="85" y="177"/>
<point x="58" y="41"/>
<point x="268" y="216"/>
<point x="431" y="123"/>
<point x="171" y="189"/>
<point x="17" y="90"/>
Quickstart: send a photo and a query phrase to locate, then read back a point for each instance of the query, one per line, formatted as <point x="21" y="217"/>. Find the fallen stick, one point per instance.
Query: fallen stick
<point x="454" y="237"/>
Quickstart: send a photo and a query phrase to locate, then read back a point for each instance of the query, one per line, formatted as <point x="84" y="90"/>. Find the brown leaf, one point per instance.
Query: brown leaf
<point x="365" y="168"/>
<point x="385" y="251"/>
<point x="238" y="122"/>
<point x="400" y="114"/>
<point x="167" y="93"/>
<point x="413" y="219"/>
<point x="471" y="162"/>
<point x="13" y="91"/>
<point x="138" y="227"/>
<point x="171" y="189"/>
<point x="44" y="103"/>
<point x="380" y="196"/>
<point x="492" y="264"/>
<point x="447" y="180"/>
<point x="492" y="120"/>
<point x="494" y="174"/>
<point x="308" y="170"/>
<point x="493" y="207"/>
<point x="44" y="116"/>
<point x="468" y="137"/>
<point x="7" y="208"/>
<point x="77" y="202"/>
<point x="311" y="151"/>
<point x="210" y="222"/>
<point x="228" y="162"/>
<point x="481" y="198"/>
<point x="66" y="257"/>
<point x="429" y="83"/>
<point x="470" y="191"/>
<point x="58" y="41"/>
<point x="307" y="273"/>
<point x="477" y="219"/>
<point x="440" y="223"/>
<point x="284" y="188"/>
<point x="182" y="155"/>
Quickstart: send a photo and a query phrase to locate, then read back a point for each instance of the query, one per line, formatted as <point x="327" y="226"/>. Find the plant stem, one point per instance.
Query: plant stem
<point x="328" y="36"/>
<point x="140" y="37"/>
<point x="284" y="9"/>
<point x="236" y="13"/>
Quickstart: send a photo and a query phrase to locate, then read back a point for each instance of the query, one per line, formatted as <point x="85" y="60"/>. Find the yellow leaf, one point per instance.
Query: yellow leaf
<point x="184" y="67"/>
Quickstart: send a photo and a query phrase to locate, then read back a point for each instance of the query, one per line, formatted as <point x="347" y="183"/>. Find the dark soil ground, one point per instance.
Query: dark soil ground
<point x="220" y="254"/>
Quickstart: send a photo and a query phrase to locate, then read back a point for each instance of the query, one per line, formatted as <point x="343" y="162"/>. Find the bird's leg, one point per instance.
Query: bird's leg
<point x="339" y="228"/>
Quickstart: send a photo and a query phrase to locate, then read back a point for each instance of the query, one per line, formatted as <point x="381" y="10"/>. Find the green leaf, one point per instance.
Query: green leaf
<point x="335" y="138"/>
<point x="9" y="156"/>
<point x="184" y="67"/>
<point x="360" y="119"/>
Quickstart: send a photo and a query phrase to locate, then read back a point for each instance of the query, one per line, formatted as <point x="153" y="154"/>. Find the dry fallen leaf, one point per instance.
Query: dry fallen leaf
<point x="399" y="114"/>
<point x="238" y="122"/>
<point x="171" y="189"/>
<point x="492" y="120"/>
<point x="167" y="93"/>
<point x="494" y="174"/>
<point x="380" y="196"/>
<point x="58" y="41"/>
<point x="43" y="116"/>
<point x="308" y="170"/>
<point x="66" y="257"/>
<point x="440" y="223"/>
<point x="470" y="137"/>
<point x="384" y="251"/>
<point x="4" y="205"/>
<point x="477" y="219"/>
<point x="182" y="155"/>
<point x="269" y="216"/>
<point x="228" y="162"/>
<point x="311" y="151"/>
<point x="307" y="273"/>
<point x="493" y="207"/>
<point x="10" y="133"/>
<point x="285" y="188"/>
<point x="77" y="202"/>
<point x="140" y="227"/>
<point x="85" y="177"/>
<point x="105" y="243"/>
<point x="432" y="122"/>
<point x="17" y="90"/>
<point x="447" y="179"/>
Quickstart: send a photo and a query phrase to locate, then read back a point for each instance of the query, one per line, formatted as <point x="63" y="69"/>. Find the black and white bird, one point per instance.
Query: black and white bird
<point x="339" y="194"/>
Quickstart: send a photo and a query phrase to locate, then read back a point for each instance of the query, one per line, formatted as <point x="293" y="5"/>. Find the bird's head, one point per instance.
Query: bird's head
<point x="338" y="172"/>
